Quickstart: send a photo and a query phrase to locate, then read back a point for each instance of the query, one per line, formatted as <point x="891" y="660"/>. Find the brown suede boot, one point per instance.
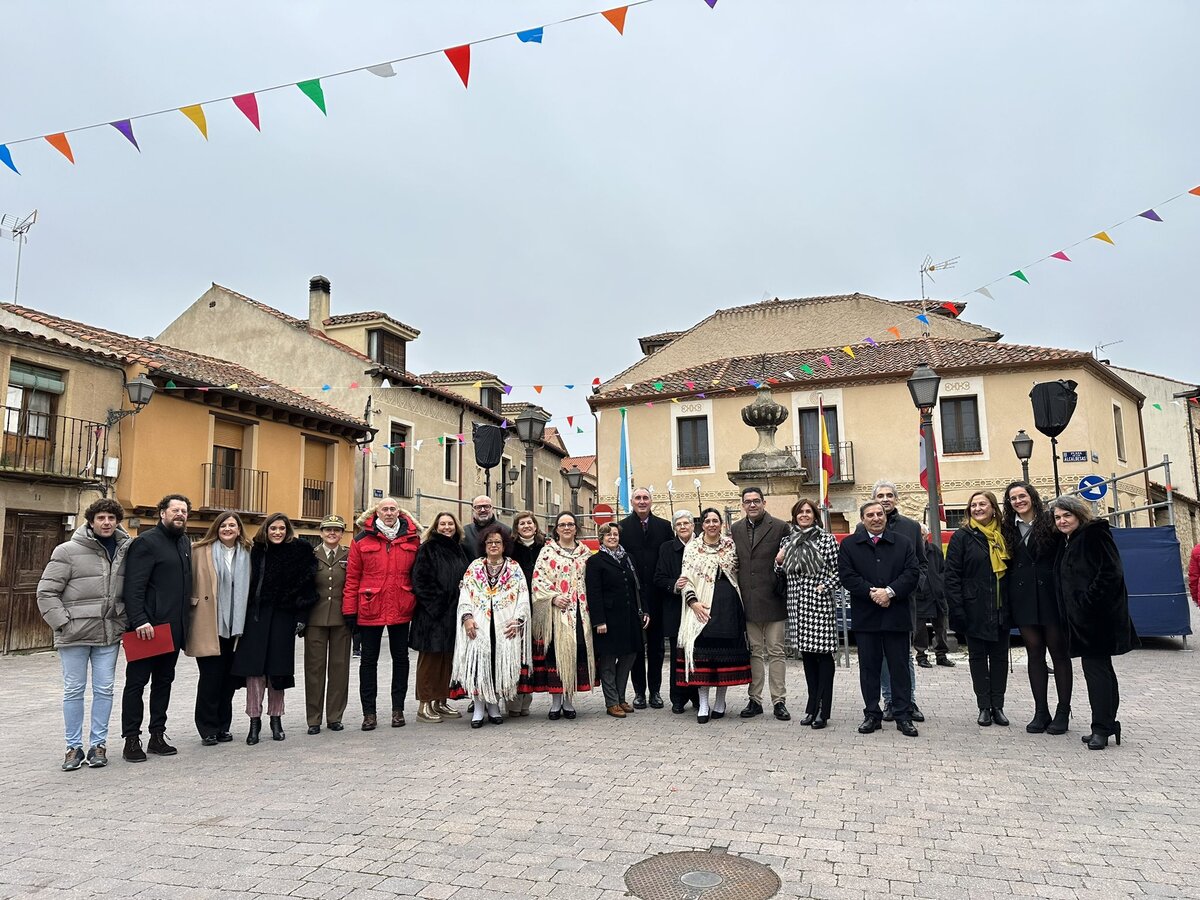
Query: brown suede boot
<point x="369" y="722"/>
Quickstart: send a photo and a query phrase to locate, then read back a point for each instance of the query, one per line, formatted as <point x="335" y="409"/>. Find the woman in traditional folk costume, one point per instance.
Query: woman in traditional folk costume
<point x="713" y="652"/>
<point x="563" y="658"/>
<point x="491" y="655"/>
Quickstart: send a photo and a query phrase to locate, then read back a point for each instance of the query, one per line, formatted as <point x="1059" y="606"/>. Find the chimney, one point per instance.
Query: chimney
<point x="318" y="302"/>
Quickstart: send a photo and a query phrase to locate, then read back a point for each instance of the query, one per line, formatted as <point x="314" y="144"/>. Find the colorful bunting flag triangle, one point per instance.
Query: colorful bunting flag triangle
<point x="59" y="142"/>
<point x="616" y="17"/>
<point x="248" y="104"/>
<point x="195" y="114"/>
<point x="126" y="128"/>
<point x="313" y="91"/>
<point x="460" y="58"/>
<point x="530" y="36"/>
<point x="1060" y="255"/>
<point x="895" y="331"/>
<point x="1018" y="274"/>
<point x="6" y="158"/>
<point x="984" y="292"/>
<point x="1102" y="236"/>
<point x="1151" y="215"/>
<point x="383" y="70"/>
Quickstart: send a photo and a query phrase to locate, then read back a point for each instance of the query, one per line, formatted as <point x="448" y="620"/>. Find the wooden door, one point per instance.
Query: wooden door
<point x="29" y="539"/>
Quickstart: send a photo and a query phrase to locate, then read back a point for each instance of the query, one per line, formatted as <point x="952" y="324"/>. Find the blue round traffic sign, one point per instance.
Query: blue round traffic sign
<point x="1092" y="487"/>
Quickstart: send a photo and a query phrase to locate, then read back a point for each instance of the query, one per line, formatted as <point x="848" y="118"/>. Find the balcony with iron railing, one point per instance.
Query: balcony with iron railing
<point x="47" y="446"/>
<point x="809" y="456"/>
<point x="317" y="501"/>
<point x="401" y="482"/>
<point x="235" y="488"/>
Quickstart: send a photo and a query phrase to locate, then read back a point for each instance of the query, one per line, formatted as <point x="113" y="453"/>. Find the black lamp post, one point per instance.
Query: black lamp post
<point x="574" y="481"/>
<point x="513" y="474"/>
<point x="531" y="428"/>
<point x="923" y="385"/>
<point x="1023" y="447"/>
<point x="140" y="390"/>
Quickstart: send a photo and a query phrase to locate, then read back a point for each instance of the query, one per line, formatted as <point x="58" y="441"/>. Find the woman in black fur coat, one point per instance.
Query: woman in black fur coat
<point x="283" y="589"/>
<point x="436" y="575"/>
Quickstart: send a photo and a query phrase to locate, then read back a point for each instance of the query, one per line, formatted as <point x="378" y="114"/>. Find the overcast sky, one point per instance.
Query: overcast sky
<point x="598" y="187"/>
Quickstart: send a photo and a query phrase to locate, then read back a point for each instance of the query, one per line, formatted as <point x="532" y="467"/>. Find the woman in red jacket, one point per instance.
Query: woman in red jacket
<point x="379" y="594"/>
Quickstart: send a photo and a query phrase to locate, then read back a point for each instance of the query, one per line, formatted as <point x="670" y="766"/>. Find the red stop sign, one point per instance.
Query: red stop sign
<point x="602" y="513"/>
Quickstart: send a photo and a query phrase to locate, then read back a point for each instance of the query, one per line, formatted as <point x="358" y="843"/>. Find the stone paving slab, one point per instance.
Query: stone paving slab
<point x="535" y="809"/>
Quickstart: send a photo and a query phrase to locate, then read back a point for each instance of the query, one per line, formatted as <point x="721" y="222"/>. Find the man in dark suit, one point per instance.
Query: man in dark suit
<point x="158" y="591"/>
<point x="879" y="568"/>
<point x="642" y="534"/>
<point x="756" y="537"/>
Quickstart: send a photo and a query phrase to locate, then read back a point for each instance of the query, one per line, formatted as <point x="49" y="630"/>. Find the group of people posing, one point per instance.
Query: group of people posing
<point x="497" y="614"/>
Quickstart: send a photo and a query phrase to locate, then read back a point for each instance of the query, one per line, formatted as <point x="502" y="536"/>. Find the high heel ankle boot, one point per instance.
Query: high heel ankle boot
<point x="1041" y="718"/>
<point x="277" y="728"/>
<point x="255" y="728"/>
<point x="1062" y="716"/>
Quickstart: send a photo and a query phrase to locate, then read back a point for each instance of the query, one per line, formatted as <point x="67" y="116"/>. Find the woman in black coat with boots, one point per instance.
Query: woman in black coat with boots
<point x="1094" y="603"/>
<point x="436" y="575"/>
<point x="283" y="589"/>
<point x="976" y="593"/>
<point x="1030" y="536"/>
<point x="615" y="605"/>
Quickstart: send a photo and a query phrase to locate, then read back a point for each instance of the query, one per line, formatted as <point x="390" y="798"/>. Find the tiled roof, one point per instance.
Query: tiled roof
<point x="513" y="410"/>
<point x="369" y="316"/>
<point x="553" y="441"/>
<point x="171" y="362"/>
<point x="585" y="463"/>
<point x="890" y="359"/>
<point x="459" y="377"/>
<point x="28" y="337"/>
<point x="393" y="374"/>
<point x="662" y="336"/>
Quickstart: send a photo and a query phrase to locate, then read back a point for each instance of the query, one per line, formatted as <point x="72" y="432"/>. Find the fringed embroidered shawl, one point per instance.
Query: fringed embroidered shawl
<point x="506" y="601"/>
<point x="700" y="566"/>
<point x="560" y="573"/>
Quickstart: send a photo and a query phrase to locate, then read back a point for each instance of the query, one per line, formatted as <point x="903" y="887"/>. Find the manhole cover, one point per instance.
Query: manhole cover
<point x="698" y="875"/>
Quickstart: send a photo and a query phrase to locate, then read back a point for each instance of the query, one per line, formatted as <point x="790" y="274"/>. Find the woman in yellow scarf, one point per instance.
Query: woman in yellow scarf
<point x="977" y="595"/>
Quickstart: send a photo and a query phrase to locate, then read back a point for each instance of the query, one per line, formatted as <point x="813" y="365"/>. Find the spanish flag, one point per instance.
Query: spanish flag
<point x="826" y="453"/>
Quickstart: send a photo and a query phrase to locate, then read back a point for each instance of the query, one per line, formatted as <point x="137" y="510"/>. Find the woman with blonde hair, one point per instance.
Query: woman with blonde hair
<point x="563" y="658"/>
<point x="220" y="590"/>
<point x="977" y="595"/>
<point x="437" y="574"/>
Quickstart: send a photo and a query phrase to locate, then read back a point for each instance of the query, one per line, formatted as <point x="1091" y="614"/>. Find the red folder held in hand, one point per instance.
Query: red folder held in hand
<point x="136" y="648"/>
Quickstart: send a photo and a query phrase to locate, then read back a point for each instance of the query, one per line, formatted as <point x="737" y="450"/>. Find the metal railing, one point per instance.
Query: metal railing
<point x="317" y="501"/>
<point x="234" y="488"/>
<point x="809" y="457"/>
<point x="1114" y="517"/>
<point x="400" y="481"/>
<point x="46" y="445"/>
<point x="694" y="460"/>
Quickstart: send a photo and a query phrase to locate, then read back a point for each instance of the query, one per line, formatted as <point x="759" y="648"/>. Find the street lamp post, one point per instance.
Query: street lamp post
<point x="574" y="481"/>
<point x="923" y="385"/>
<point x="531" y="428"/>
<point x="140" y="390"/>
<point x="1023" y="447"/>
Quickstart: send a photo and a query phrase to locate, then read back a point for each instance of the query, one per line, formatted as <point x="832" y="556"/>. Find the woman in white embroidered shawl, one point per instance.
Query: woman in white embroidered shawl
<point x="712" y="633"/>
<point x="563" y="659"/>
<point x="492" y="652"/>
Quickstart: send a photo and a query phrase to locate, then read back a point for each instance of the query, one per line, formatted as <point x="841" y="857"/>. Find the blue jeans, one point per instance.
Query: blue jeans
<point x="886" y="680"/>
<point x="75" y="672"/>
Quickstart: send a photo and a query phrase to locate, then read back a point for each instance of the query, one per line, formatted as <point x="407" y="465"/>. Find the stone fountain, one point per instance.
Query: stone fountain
<point x="774" y="470"/>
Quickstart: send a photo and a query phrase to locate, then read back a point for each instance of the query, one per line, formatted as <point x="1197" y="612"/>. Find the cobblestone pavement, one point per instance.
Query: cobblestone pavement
<point x="535" y="808"/>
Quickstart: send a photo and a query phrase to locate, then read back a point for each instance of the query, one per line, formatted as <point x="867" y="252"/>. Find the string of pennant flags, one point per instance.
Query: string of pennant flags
<point x="246" y="103"/>
<point x="1104" y="236"/>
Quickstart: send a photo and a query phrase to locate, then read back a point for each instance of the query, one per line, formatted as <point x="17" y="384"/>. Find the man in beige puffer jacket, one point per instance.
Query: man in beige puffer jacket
<point x="79" y="596"/>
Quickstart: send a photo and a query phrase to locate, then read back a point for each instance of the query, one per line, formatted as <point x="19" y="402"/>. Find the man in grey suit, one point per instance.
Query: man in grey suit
<point x="756" y="537"/>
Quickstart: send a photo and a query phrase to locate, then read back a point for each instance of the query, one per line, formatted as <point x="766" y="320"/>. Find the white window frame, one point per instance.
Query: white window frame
<point x="689" y="409"/>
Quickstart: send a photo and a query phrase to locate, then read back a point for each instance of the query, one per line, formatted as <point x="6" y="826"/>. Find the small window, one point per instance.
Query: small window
<point x="386" y="349"/>
<point x="31" y="400"/>
<point x="960" y="425"/>
<point x="399" y="475"/>
<point x="692" y="442"/>
<point x="450" y="457"/>
<point x="490" y="397"/>
<point x="955" y="518"/>
<point x="1119" y="432"/>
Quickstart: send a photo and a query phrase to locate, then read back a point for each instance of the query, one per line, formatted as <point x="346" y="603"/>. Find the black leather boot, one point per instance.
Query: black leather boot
<point x="1062" y="716"/>
<point x="255" y="728"/>
<point x="277" y="729"/>
<point x="1041" y="718"/>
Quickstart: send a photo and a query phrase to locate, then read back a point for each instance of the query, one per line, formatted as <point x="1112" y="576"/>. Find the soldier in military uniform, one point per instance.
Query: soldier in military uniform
<point x="327" y="639"/>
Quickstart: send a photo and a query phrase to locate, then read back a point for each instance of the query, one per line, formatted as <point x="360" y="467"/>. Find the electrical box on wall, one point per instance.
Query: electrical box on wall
<point x="112" y="467"/>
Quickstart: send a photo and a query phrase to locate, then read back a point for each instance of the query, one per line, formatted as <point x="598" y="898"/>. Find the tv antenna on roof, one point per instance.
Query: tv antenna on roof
<point x="17" y="229"/>
<point x="928" y="267"/>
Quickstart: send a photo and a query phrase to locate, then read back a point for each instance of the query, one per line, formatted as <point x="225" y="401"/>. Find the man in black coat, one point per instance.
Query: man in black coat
<point x="483" y="515"/>
<point x="158" y="592"/>
<point x="670" y="595"/>
<point x="642" y="534"/>
<point x="879" y="568"/>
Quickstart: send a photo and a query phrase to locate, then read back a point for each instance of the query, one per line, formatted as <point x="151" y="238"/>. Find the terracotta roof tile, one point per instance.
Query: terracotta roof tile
<point x="889" y="359"/>
<point x="585" y="463"/>
<point x="174" y="363"/>
<point x="459" y="377"/>
<point x="369" y="316"/>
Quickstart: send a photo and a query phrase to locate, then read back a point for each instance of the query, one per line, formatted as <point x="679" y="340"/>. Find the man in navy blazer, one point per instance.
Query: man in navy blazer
<point x="880" y="570"/>
<point x="642" y="535"/>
